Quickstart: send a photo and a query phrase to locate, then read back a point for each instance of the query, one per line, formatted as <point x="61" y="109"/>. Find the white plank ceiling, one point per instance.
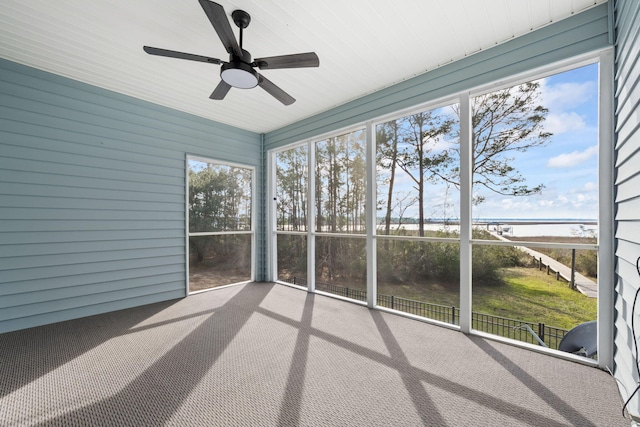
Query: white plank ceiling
<point x="363" y="46"/>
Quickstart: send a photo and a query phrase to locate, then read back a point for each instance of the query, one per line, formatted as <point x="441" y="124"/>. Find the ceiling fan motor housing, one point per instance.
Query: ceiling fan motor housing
<point x="238" y="72"/>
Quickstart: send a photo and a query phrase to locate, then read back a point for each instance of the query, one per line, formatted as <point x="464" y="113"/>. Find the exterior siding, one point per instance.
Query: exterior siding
<point x="92" y="196"/>
<point x="627" y="192"/>
<point x="582" y="33"/>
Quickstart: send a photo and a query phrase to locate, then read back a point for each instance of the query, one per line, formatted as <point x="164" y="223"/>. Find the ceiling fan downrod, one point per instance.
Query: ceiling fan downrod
<point x="242" y="20"/>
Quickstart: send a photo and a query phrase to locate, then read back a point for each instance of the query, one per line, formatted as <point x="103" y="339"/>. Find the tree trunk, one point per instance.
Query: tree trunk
<point x="394" y="158"/>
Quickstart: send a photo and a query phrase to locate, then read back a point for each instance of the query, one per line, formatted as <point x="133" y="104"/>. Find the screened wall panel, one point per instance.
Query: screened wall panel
<point x="221" y="223"/>
<point x="582" y="36"/>
<point x="92" y="196"/>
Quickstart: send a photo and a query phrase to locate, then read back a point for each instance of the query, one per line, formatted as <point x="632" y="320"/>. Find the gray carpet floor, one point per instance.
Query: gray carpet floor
<point x="270" y="355"/>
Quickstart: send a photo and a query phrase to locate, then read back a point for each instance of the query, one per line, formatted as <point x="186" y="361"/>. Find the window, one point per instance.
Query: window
<point x="340" y="184"/>
<point x="485" y="210"/>
<point x="340" y="254"/>
<point x="220" y="218"/>
<point x="291" y="215"/>
<point x="418" y="205"/>
<point x="535" y="179"/>
<point x="322" y="217"/>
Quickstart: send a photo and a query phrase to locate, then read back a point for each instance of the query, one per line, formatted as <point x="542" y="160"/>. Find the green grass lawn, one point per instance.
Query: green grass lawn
<point x="433" y="293"/>
<point x="526" y="294"/>
<point x="534" y="296"/>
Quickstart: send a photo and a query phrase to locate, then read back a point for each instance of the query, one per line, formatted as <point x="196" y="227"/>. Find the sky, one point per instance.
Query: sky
<point x="566" y="165"/>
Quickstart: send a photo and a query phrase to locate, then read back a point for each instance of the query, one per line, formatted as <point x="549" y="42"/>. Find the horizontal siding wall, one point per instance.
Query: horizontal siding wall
<point x="627" y="193"/>
<point x="92" y="196"/>
<point x="582" y="33"/>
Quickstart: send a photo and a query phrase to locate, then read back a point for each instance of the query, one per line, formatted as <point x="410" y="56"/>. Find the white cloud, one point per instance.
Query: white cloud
<point x="439" y="145"/>
<point x="572" y="159"/>
<point x="521" y="204"/>
<point x="572" y="203"/>
<point x="566" y="95"/>
<point x="564" y="122"/>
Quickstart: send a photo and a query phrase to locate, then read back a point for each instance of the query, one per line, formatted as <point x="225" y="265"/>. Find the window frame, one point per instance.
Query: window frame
<point x="605" y="246"/>
<point x="251" y="231"/>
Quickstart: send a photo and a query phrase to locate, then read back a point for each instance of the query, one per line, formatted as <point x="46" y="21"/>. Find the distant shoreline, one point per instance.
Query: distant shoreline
<point x="535" y="222"/>
<point x="517" y="227"/>
<point x="514" y="221"/>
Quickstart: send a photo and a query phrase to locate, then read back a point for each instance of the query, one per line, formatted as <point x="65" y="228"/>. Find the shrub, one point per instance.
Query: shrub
<point x="487" y="261"/>
<point x="587" y="263"/>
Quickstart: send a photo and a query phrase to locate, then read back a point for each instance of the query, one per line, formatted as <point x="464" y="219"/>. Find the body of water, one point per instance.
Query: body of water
<point x="556" y="230"/>
<point x="520" y="227"/>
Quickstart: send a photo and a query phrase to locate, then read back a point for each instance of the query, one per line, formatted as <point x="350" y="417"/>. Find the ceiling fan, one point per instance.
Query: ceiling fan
<point x="239" y="72"/>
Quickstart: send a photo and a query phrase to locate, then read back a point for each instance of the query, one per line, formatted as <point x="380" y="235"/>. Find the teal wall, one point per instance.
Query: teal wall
<point x="92" y="196"/>
<point x="627" y="192"/>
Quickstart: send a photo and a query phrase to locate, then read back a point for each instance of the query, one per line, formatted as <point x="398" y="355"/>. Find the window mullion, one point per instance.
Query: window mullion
<point x="311" y="218"/>
<point x="606" y="205"/>
<point x="466" y="194"/>
<point x="370" y="203"/>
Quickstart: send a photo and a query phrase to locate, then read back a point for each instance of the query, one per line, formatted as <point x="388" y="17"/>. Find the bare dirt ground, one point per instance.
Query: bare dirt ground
<point x="206" y="278"/>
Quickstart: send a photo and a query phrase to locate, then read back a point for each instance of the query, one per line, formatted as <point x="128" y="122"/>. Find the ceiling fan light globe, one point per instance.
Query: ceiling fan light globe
<point x="239" y="75"/>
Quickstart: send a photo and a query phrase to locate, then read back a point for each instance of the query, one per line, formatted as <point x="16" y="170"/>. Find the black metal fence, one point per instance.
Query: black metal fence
<point x="443" y="313"/>
<point x="352" y="293"/>
<point x="534" y="333"/>
<point x="530" y="332"/>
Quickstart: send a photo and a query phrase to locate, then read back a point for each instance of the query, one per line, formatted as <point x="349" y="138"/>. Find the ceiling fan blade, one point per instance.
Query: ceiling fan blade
<point x="221" y="90"/>
<point x="220" y="22"/>
<point x="180" y="55"/>
<point x="297" y="60"/>
<point x="275" y="91"/>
